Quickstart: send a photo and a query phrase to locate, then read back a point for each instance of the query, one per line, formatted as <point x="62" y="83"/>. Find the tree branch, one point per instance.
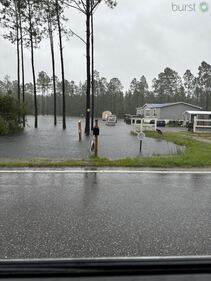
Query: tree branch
<point x="84" y="5"/>
<point x="95" y="5"/>
<point x="79" y="5"/>
<point x="74" y="7"/>
<point x="79" y="37"/>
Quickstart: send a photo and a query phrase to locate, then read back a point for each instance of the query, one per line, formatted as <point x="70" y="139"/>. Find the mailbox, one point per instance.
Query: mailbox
<point x="96" y="131"/>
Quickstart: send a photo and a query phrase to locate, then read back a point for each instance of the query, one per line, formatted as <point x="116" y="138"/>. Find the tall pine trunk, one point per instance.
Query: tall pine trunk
<point x="23" y="71"/>
<point x="54" y="77"/>
<point x="54" y="73"/>
<point x="18" y="67"/>
<point x="87" y="125"/>
<point x="32" y="64"/>
<point x="50" y="31"/>
<point x="43" y="103"/>
<point x="62" y="67"/>
<point x="93" y="80"/>
<point x="18" y="51"/>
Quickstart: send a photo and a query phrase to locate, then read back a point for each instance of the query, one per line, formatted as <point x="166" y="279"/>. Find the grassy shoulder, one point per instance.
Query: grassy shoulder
<point x="196" y="154"/>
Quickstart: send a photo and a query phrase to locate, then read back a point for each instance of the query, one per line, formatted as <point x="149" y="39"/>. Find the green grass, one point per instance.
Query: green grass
<point x="196" y="154"/>
<point x="206" y="136"/>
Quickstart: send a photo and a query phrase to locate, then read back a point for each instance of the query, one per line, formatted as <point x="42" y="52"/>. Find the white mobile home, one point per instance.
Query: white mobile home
<point x="166" y="111"/>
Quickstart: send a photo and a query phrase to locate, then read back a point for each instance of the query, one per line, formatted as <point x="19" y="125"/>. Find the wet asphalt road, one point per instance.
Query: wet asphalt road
<point x="53" y="215"/>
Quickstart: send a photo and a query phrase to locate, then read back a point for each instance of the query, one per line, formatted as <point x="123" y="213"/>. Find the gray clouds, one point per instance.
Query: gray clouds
<point x="134" y="39"/>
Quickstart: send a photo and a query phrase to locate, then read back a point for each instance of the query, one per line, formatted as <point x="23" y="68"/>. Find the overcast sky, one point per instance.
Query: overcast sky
<point x="134" y="39"/>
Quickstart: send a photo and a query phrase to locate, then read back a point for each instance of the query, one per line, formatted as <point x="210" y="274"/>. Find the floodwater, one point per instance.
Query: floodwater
<point x="49" y="142"/>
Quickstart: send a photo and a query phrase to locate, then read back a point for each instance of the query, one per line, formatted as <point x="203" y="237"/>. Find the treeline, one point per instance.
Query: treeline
<point x="110" y="95"/>
<point x="170" y="87"/>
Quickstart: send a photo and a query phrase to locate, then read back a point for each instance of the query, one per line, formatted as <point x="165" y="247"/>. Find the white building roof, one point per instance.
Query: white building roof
<point x="198" y="112"/>
<point x="161" y="105"/>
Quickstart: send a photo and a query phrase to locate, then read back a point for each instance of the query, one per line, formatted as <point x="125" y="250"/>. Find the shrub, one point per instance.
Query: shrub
<point x="4" y="129"/>
<point x="10" y="115"/>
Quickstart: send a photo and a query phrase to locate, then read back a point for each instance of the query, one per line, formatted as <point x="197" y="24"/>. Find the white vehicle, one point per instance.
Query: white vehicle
<point x="111" y="120"/>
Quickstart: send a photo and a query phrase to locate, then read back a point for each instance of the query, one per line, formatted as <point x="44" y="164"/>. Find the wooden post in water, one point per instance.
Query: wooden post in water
<point x="141" y="137"/>
<point x="96" y="134"/>
<point x="140" y="145"/>
<point x="79" y="130"/>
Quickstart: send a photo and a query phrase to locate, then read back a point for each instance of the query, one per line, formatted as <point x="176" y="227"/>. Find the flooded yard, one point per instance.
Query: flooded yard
<point x="49" y="142"/>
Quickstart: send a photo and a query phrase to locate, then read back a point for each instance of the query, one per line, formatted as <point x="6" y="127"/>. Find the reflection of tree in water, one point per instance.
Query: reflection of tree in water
<point x="90" y="185"/>
<point x="91" y="177"/>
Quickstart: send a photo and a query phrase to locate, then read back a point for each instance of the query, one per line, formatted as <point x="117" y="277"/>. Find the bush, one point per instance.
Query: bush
<point x="4" y="130"/>
<point x="12" y="126"/>
<point x="10" y="115"/>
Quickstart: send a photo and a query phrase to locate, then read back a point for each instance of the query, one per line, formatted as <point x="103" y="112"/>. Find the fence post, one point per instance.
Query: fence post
<point x="141" y="129"/>
<point x="194" y="124"/>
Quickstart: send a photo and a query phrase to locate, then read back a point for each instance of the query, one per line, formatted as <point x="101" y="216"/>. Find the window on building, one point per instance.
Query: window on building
<point x="147" y="113"/>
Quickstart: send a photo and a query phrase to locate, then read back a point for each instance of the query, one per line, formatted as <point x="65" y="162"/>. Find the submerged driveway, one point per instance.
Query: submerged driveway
<point x="93" y="214"/>
<point x="48" y="142"/>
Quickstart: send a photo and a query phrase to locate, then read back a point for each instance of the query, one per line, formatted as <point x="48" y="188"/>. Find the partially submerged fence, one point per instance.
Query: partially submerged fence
<point x="139" y="125"/>
<point x="203" y="124"/>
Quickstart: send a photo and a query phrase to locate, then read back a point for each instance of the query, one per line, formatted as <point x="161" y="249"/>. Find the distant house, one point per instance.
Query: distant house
<point x="166" y="111"/>
<point x="200" y="120"/>
<point x="189" y="115"/>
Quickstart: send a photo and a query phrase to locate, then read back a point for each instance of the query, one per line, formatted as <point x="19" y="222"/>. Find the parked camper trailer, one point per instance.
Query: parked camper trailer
<point x="105" y="115"/>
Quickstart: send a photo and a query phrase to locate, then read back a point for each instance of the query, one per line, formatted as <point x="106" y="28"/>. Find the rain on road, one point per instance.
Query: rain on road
<point x="92" y="214"/>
